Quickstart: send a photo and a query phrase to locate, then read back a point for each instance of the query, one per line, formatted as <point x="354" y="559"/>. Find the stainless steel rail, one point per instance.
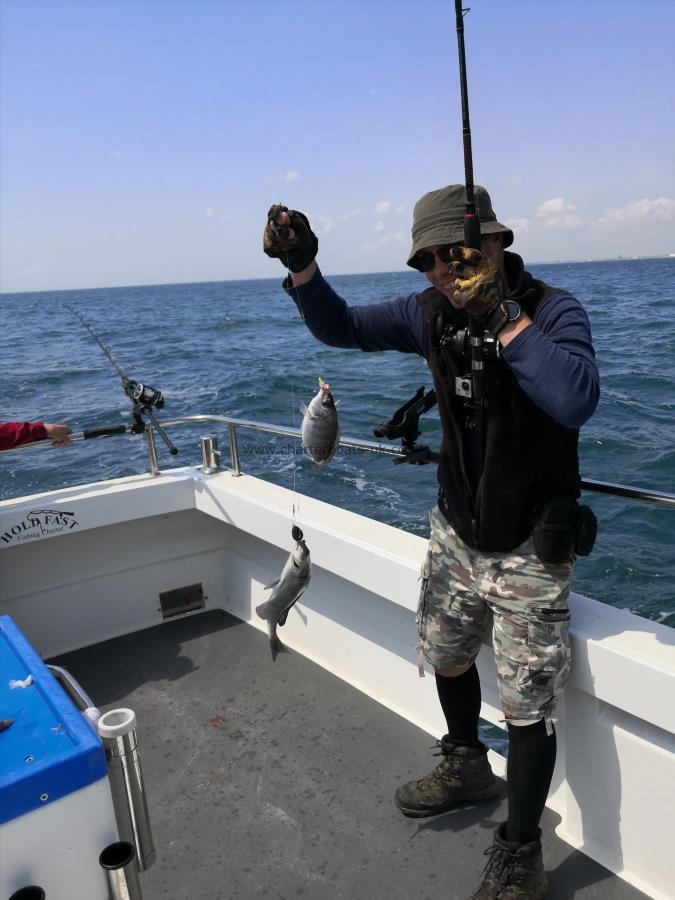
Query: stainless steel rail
<point x="78" y="695"/>
<point x="658" y="498"/>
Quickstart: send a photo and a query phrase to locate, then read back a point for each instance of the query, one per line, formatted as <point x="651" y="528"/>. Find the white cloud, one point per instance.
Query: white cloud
<point x="211" y="211"/>
<point x="383" y="206"/>
<point x="553" y="207"/>
<point x="520" y="225"/>
<point x="557" y="214"/>
<point x="399" y="209"/>
<point x="291" y="175"/>
<point x="379" y="226"/>
<point x="395" y="238"/>
<point x="350" y="215"/>
<point x="563" y="222"/>
<point x="662" y="209"/>
<point x="321" y="224"/>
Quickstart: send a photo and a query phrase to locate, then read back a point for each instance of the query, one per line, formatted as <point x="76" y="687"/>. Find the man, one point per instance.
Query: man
<point x="13" y="434"/>
<point x="503" y="533"/>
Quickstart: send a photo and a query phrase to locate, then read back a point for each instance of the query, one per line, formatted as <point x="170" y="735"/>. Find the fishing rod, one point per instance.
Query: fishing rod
<point x="404" y="423"/>
<point x="145" y="399"/>
<point x="472" y="240"/>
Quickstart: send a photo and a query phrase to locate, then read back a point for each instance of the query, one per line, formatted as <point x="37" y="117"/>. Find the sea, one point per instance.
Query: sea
<point x="240" y="348"/>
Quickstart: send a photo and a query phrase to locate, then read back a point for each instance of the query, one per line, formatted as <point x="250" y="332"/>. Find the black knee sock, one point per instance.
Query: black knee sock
<point x="460" y="700"/>
<point x="529" y="770"/>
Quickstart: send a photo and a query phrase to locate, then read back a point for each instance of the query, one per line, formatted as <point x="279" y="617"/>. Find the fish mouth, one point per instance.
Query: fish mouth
<point x="296" y="533"/>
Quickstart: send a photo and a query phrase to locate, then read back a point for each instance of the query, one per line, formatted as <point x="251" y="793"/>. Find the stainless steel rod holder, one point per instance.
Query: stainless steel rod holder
<point x="210" y="455"/>
<point x="234" y="449"/>
<point x="152" y="451"/>
<point x="117" y="730"/>
<point x="118" y="861"/>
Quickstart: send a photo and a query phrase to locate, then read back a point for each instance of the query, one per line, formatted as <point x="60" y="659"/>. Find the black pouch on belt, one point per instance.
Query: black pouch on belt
<point x="554" y="532"/>
<point x="564" y="528"/>
<point x="585" y="530"/>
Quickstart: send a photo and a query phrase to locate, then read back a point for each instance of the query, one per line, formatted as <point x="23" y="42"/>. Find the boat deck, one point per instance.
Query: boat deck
<point x="275" y="780"/>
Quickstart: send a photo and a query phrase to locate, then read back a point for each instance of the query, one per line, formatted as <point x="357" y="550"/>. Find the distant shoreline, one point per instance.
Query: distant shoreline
<point x="153" y="284"/>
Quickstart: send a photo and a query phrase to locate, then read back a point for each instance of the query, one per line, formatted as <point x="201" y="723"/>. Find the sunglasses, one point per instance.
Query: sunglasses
<point x="425" y="260"/>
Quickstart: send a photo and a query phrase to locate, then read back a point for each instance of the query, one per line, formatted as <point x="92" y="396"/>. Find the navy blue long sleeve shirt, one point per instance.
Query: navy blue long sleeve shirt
<point x="553" y="359"/>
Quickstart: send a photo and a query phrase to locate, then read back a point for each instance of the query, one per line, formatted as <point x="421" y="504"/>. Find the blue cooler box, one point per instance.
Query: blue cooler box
<point x="56" y="812"/>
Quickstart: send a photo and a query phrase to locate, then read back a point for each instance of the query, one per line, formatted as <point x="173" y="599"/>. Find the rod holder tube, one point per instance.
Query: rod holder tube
<point x="117" y="730"/>
<point x="30" y="892"/>
<point x="118" y="861"/>
<point x="234" y="449"/>
<point x="152" y="451"/>
<point x="210" y="455"/>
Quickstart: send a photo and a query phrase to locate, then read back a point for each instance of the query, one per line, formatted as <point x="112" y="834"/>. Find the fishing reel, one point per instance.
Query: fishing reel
<point x="145" y="399"/>
<point x="458" y="340"/>
<point x="404" y="424"/>
<point x="142" y="395"/>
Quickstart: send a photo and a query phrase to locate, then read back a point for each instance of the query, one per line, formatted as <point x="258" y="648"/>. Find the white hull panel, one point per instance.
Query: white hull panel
<point x="57" y="847"/>
<point x="614" y="785"/>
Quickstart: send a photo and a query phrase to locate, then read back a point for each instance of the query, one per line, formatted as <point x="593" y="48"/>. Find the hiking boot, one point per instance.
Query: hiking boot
<point x="463" y="776"/>
<point x="514" y="871"/>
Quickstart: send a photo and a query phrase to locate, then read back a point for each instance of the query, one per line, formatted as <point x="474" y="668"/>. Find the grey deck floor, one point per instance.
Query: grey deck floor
<point x="275" y="780"/>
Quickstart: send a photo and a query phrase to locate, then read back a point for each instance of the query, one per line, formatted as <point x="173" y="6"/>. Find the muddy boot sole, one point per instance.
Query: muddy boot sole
<point x="474" y="796"/>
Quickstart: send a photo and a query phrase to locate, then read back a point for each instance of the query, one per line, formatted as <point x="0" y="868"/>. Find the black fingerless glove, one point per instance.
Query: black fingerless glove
<point x="295" y="253"/>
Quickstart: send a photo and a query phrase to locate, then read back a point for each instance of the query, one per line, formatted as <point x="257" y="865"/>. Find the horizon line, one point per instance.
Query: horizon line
<point x="408" y="271"/>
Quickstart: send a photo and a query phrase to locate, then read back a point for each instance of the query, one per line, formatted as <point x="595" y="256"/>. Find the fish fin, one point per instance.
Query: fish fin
<point x="303" y="409"/>
<point x="262" y="610"/>
<point x="268" y="587"/>
<point x="284" y="615"/>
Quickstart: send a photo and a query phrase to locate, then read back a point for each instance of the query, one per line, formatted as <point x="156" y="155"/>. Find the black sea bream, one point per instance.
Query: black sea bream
<point x="320" y="428"/>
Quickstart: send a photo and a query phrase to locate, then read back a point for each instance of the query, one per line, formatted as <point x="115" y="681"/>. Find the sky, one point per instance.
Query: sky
<point x="143" y="142"/>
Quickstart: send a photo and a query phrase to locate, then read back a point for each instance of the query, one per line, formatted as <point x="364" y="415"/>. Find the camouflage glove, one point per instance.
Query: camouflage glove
<point x="294" y="243"/>
<point x="479" y="285"/>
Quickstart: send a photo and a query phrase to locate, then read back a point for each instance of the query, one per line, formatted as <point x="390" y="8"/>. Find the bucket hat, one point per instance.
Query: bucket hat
<point x="438" y="218"/>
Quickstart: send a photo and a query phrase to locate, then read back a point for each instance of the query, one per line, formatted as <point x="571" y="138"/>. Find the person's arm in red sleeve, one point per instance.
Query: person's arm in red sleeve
<point x="14" y="433"/>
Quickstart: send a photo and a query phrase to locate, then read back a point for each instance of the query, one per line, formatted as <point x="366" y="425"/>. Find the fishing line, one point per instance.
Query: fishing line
<point x="296" y="495"/>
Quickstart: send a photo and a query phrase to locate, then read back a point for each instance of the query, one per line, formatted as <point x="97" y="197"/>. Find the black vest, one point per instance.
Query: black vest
<point x="529" y="458"/>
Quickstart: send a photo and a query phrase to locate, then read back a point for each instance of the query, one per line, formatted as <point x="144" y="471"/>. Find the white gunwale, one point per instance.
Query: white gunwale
<point x="614" y="785"/>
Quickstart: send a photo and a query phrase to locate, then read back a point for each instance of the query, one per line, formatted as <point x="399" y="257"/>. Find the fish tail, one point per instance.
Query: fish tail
<point x="276" y="646"/>
<point x="262" y="610"/>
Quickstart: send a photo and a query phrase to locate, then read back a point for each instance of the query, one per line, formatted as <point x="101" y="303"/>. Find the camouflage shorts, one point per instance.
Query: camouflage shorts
<point x="528" y="603"/>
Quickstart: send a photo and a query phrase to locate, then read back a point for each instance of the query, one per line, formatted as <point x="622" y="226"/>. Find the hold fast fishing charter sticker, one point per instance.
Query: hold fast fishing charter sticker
<point x="36" y="524"/>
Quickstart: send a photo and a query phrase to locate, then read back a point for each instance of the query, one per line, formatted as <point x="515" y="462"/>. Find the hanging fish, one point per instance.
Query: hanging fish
<point x="320" y="427"/>
<point x="288" y="588"/>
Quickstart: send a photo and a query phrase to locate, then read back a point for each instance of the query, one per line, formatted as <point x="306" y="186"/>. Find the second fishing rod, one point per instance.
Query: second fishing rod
<point x="145" y="399"/>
